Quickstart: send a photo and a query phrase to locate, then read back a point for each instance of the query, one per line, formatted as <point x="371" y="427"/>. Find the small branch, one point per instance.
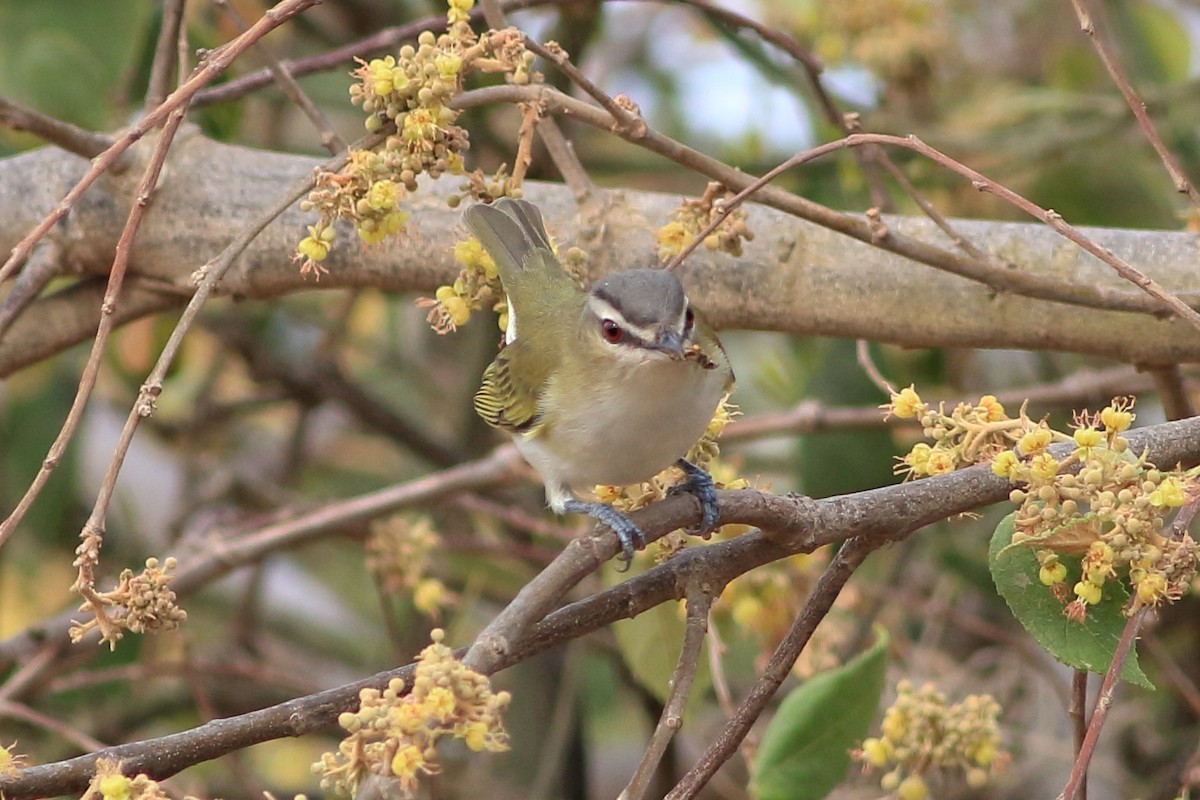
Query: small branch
<point x="57" y="727"/>
<point x="812" y="416"/>
<point x="71" y="138"/>
<point x="862" y="351"/>
<point x="1103" y="703"/>
<point x="341" y="57"/>
<point x="1077" y="713"/>
<point x="43" y="266"/>
<point x="699" y="603"/>
<point x="1168" y="380"/>
<point x="166" y="57"/>
<point x="91" y="368"/>
<point x="557" y="144"/>
<point x="1000" y="279"/>
<point x="215" y="64"/>
<point x="1135" y="103"/>
<point x="287" y="84"/>
<point x="849" y="557"/>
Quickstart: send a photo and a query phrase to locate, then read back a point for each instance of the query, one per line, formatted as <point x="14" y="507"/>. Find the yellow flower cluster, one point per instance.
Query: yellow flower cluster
<point x="410" y="92"/>
<point x="109" y="784"/>
<point x="143" y="601"/>
<point x="394" y="732"/>
<point x="477" y="283"/>
<point x="1104" y="504"/>
<point x="967" y="435"/>
<point x="921" y="731"/>
<point x="399" y="551"/>
<point x="693" y="216"/>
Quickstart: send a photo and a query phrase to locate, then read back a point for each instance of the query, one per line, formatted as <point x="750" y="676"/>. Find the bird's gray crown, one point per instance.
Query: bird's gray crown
<point x="643" y="296"/>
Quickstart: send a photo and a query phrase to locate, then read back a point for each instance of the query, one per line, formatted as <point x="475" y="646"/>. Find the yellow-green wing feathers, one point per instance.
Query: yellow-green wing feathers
<point x="506" y="399"/>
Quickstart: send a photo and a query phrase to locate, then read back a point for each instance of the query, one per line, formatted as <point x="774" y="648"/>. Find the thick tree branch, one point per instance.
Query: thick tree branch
<point x="795" y="276"/>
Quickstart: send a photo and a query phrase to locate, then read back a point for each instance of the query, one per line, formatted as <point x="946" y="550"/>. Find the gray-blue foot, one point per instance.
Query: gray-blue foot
<point x="699" y="483"/>
<point x="631" y="536"/>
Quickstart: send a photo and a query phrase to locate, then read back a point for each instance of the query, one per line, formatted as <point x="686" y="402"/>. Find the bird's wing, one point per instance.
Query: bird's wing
<point x="508" y="399"/>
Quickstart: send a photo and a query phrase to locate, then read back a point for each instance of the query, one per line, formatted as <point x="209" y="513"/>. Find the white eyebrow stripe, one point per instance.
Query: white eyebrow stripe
<point x="606" y="310"/>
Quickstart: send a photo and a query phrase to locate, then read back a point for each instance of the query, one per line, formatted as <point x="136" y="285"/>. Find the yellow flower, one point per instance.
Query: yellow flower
<point x="1117" y="418"/>
<point x="1052" y="574"/>
<point x="993" y="410"/>
<point x="1169" y="493"/>
<point x="875" y="752"/>
<point x="440" y="703"/>
<point x="407" y="761"/>
<point x="912" y="788"/>
<point x="1034" y="441"/>
<point x="1087" y="438"/>
<point x="940" y="462"/>
<point x="907" y="404"/>
<point x="1152" y="589"/>
<point x="382" y="195"/>
<point x="1005" y="464"/>
<point x="429" y="595"/>
<point x="672" y="238"/>
<point x="313" y="248"/>
<point x="475" y="735"/>
<point x="918" y="458"/>
<point x="1088" y="592"/>
<point x="1043" y="466"/>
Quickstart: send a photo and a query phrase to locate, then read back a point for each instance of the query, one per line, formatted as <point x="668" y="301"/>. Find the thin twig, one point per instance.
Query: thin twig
<point x="71" y="138"/>
<point x="699" y="603"/>
<point x="1168" y="379"/>
<point x="851" y="554"/>
<point x="342" y="57"/>
<point x="1077" y="713"/>
<point x="1135" y="103"/>
<point x="1051" y="218"/>
<point x="1001" y="279"/>
<point x="91" y="369"/>
<point x="166" y="55"/>
<point x="287" y="84"/>
<point x="58" y="727"/>
<point x="559" y="148"/>
<point x="1104" y="701"/>
<point x="43" y="266"/>
<point x="862" y="351"/>
<point x="214" y="65"/>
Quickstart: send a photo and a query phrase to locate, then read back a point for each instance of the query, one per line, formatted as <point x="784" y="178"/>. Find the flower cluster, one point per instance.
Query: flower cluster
<point x="694" y="215"/>
<point x="1105" y="504"/>
<point x="477" y="283"/>
<point x="1097" y="501"/>
<point x="922" y="732"/>
<point x="398" y="553"/>
<point x="109" y="784"/>
<point x="144" y="601"/>
<point x="967" y="435"/>
<point x="409" y="94"/>
<point x="394" y="732"/>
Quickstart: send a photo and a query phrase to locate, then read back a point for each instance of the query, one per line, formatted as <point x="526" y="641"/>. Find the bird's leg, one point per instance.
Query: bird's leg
<point x="631" y="536"/>
<point x="699" y="483"/>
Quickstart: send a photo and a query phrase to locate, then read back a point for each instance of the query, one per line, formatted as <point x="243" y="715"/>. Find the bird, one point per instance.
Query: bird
<point x="602" y="386"/>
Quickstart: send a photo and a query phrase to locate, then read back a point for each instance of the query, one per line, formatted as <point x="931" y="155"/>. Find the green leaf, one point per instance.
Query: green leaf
<point x="806" y="749"/>
<point x="1088" y="645"/>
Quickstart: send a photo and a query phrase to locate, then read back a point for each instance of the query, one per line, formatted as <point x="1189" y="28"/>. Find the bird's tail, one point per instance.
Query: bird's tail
<point x="511" y="231"/>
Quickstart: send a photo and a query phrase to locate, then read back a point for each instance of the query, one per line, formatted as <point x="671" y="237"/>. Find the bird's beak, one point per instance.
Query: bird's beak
<point x="669" y="341"/>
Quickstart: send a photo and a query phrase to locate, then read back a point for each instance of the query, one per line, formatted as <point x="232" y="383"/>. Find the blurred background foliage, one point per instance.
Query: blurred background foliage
<point x="331" y="394"/>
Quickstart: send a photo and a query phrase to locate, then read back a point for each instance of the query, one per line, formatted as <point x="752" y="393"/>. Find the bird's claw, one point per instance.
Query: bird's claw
<point x="630" y="535"/>
<point x="699" y="483"/>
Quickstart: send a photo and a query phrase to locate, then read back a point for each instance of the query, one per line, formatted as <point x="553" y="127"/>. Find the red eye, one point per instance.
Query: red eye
<point x="689" y="317"/>
<point x="611" y="330"/>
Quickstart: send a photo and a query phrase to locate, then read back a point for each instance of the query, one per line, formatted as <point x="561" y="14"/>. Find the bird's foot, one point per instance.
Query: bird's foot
<point x="631" y="536"/>
<point x="699" y="483"/>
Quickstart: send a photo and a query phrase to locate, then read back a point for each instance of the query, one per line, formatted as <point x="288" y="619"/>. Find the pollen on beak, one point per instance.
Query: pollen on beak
<point x="669" y="341"/>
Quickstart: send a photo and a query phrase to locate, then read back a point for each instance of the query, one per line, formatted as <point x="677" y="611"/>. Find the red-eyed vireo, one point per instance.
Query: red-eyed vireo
<point x="607" y="386"/>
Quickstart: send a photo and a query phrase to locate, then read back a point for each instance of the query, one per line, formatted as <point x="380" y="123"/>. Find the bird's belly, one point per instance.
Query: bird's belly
<point x="629" y="432"/>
